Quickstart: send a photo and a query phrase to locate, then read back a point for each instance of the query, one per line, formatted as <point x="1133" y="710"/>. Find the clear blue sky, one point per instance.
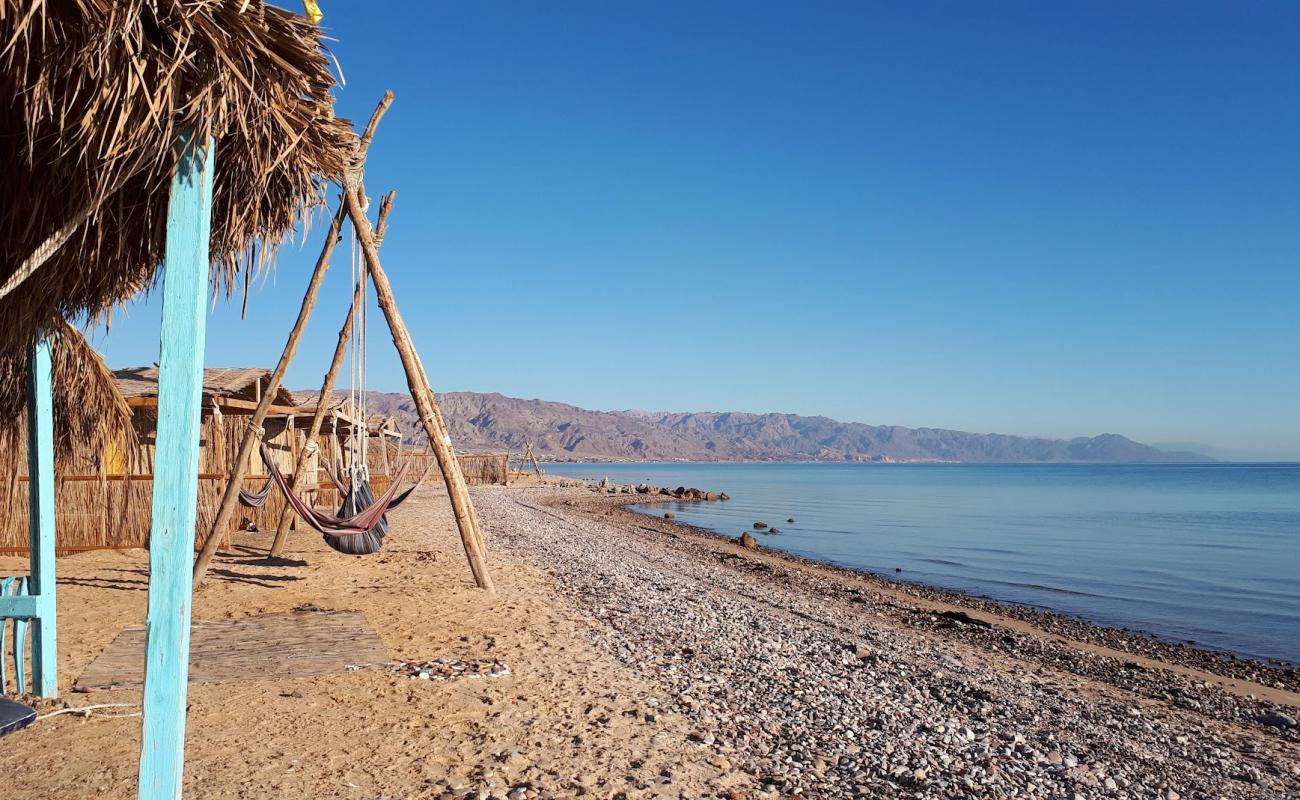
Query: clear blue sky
<point x="1036" y="218"/>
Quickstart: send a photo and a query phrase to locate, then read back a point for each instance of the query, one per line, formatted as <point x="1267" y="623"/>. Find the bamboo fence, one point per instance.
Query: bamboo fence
<point x="104" y="501"/>
<point x="485" y="469"/>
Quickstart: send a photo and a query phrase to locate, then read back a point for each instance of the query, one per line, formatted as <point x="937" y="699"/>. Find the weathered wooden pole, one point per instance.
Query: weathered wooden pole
<point x="40" y="505"/>
<point x="252" y="433"/>
<point x="421" y="393"/>
<point x="326" y="390"/>
<point x="176" y="463"/>
<point x="230" y="498"/>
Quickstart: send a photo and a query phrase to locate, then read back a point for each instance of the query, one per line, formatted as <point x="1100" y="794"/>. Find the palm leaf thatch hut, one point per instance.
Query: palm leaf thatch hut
<point x="106" y="429"/>
<point x="199" y="131"/>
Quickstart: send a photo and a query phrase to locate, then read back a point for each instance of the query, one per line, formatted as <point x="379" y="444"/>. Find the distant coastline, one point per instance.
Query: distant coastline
<point x="492" y="422"/>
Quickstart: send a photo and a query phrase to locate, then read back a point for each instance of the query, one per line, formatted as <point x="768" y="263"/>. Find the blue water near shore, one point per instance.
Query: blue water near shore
<point x="1209" y="553"/>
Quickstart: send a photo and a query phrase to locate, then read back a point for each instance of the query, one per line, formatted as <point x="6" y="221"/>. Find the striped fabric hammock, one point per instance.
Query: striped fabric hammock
<point x="255" y="499"/>
<point x="360" y="525"/>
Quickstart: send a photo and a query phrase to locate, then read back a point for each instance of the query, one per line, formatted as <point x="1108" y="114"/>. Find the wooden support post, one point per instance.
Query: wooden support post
<point x="230" y="498"/>
<point x="251" y="436"/>
<point x="176" y="465"/>
<point x="40" y="493"/>
<point x="322" y="400"/>
<point x="421" y="393"/>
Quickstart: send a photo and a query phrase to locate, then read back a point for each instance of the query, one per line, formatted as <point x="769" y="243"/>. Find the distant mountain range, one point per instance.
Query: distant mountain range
<point x="495" y="423"/>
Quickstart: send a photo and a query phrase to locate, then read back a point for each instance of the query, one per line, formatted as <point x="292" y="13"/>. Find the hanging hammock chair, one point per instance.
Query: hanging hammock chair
<point x="361" y="524"/>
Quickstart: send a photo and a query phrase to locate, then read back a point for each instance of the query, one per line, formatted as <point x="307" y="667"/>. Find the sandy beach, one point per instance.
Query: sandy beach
<point x="648" y="659"/>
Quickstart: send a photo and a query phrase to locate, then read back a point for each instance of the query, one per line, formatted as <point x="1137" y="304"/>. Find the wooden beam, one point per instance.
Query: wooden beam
<point x="176" y="456"/>
<point x="40" y="505"/>
<point x="418" y="382"/>
<point x="232" y="404"/>
<point x="327" y="387"/>
<point x="230" y="498"/>
<point x="203" y="476"/>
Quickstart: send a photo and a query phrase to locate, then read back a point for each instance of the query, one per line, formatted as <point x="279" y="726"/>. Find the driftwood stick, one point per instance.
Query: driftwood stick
<point x="421" y="393"/>
<point x="323" y="399"/>
<point x="251" y="434"/>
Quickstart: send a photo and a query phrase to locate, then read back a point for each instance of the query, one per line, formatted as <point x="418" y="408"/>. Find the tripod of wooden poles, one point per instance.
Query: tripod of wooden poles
<point x="526" y="460"/>
<point x="352" y="207"/>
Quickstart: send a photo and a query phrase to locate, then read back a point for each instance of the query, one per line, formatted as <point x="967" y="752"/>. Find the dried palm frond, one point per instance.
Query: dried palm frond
<point x="90" y="413"/>
<point x="96" y="94"/>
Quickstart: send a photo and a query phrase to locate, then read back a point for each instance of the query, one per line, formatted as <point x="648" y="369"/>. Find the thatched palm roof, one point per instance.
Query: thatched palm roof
<point x="224" y="382"/>
<point x="90" y="414"/>
<point x="95" y="94"/>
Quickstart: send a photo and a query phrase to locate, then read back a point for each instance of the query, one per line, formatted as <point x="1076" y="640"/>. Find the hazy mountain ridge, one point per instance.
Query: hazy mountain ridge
<point x="492" y="422"/>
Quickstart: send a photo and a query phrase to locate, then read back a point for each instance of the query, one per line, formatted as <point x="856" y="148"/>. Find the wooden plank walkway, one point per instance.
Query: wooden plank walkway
<point x="295" y="645"/>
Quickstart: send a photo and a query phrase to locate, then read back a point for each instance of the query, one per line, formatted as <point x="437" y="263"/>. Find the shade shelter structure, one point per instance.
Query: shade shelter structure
<point x="151" y="143"/>
<point x="105" y="434"/>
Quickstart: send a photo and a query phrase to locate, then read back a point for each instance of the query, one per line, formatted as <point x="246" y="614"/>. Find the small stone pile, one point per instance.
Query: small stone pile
<point x="685" y="493"/>
<point x="447" y="669"/>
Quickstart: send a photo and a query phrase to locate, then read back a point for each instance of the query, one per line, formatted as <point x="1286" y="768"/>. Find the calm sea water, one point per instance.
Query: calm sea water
<point x="1209" y="553"/>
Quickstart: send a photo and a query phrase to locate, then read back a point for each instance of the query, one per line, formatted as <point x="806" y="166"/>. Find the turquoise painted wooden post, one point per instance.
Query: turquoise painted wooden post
<point x="40" y="514"/>
<point x="176" y="465"/>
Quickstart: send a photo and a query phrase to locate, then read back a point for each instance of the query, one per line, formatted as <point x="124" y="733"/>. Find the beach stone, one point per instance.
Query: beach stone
<point x="747" y="539"/>
<point x="669" y="515"/>
<point x="963" y="618"/>
<point x="759" y="526"/>
<point x="1276" y="719"/>
<point x="773" y="530"/>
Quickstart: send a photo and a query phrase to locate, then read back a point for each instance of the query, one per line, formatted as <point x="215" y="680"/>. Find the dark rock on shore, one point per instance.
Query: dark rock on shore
<point x="962" y="618"/>
<point x="759" y="526"/>
<point x="1276" y="719"/>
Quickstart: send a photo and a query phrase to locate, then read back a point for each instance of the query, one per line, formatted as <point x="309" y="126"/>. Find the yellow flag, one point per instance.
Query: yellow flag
<point x="312" y="11"/>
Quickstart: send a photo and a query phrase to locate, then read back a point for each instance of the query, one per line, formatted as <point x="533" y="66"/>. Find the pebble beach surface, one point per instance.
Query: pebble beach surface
<point x="809" y="681"/>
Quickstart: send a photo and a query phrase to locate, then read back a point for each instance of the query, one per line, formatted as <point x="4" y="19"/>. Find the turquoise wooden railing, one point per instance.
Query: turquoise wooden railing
<point x="30" y="601"/>
<point x="13" y="587"/>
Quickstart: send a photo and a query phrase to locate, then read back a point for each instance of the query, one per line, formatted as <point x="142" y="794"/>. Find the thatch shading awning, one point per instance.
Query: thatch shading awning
<point x="90" y="413"/>
<point x="96" y="93"/>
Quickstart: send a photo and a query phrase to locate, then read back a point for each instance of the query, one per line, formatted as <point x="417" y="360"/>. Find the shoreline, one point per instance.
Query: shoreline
<point x="1130" y="640"/>
<point x="692" y="608"/>
<point x="1274" y="672"/>
<point x="1237" y="674"/>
